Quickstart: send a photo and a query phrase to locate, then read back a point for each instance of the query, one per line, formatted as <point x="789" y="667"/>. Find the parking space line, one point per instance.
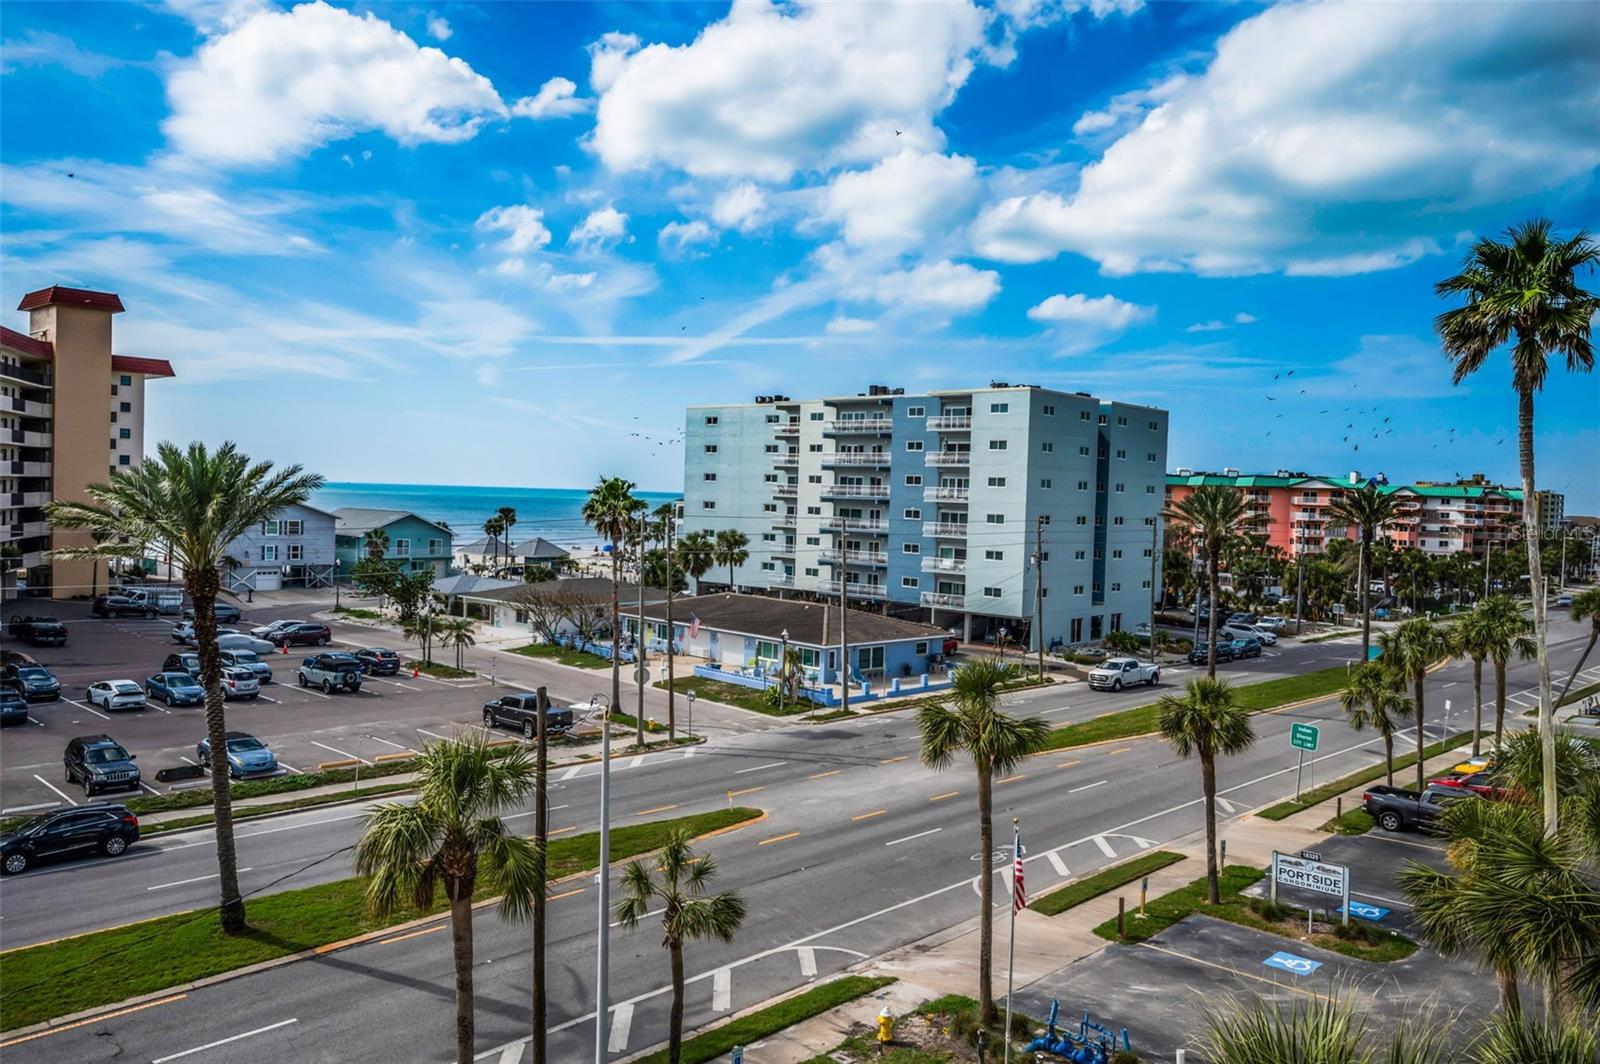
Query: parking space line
<point x="1058" y="864"/>
<point x="432" y="735"/>
<point x="274" y="701"/>
<point x="288" y="767"/>
<point x="1233" y="971"/>
<point x="28" y="808"/>
<point x="341" y="753"/>
<point x="386" y="742"/>
<point x="40" y="723"/>
<point x="80" y="705"/>
<point x="149" y="788"/>
<point x="54" y="788"/>
<point x="312" y="691"/>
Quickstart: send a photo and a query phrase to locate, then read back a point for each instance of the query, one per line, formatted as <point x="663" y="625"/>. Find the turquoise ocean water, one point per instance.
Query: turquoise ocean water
<point x="554" y="513"/>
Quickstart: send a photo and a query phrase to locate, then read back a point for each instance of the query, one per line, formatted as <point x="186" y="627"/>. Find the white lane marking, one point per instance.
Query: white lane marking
<point x="722" y="990"/>
<point x="54" y="788"/>
<point x="689" y="752"/>
<point x="571" y="772"/>
<point x="264" y="698"/>
<point x="83" y="706"/>
<point x="808" y="962"/>
<point x="28" y="808"/>
<point x="530" y="812"/>
<point x="288" y="767"/>
<point x="635" y="761"/>
<point x="432" y="735"/>
<point x="341" y="753"/>
<point x="1059" y="865"/>
<point x="191" y="760"/>
<point x="1227" y="806"/>
<point x="313" y="691"/>
<point x="758" y="768"/>
<point x="512" y="1054"/>
<point x="149" y="788"/>
<point x="1087" y="786"/>
<point x="621" y="1021"/>
<point x="225" y="1041"/>
<point x="196" y="879"/>
<point x="40" y="723"/>
<point x="918" y="835"/>
<point x="386" y="742"/>
<point x="1105" y="847"/>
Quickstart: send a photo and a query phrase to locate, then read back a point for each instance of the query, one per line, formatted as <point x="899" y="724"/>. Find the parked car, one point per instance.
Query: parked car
<point x="1117" y="673"/>
<point x="224" y="612"/>
<point x="1266" y="636"/>
<point x="13" y="707"/>
<point x="1479" y="783"/>
<point x="16" y="657"/>
<point x="183" y="632"/>
<point x="378" y="661"/>
<point x="1142" y="630"/>
<point x="1275" y="625"/>
<point x="239" y="641"/>
<point x="183" y="661"/>
<point x="117" y="605"/>
<point x="101" y="764"/>
<point x="156" y="599"/>
<point x="37" y="631"/>
<point x="1563" y="601"/>
<point x="247" y="755"/>
<point x="1248" y="647"/>
<point x="1243" y="618"/>
<point x="105" y="829"/>
<point x="303" y="635"/>
<point x="331" y="672"/>
<point x="34" y="681"/>
<point x="522" y="711"/>
<point x="247" y="659"/>
<point x="1199" y="655"/>
<point x="175" y="689"/>
<point x="1394" y="808"/>
<point x="267" y="631"/>
<point x="239" y="683"/>
<point x="116" y="694"/>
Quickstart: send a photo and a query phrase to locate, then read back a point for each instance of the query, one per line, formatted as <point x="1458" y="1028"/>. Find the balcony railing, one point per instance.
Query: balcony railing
<point x="784" y="520"/>
<point x="858" y="524"/>
<point x="783" y="550"/>
<point x="786" y="489"/>
<point x="944" y="528"/>
<point x="854" y="589"/>
<point x="780" y="579"/>
<point x="949" y="458"/>
<point x="786" y="458"/>
<point x="858" y="426"/>
<point x="945" y="494"/>
<point x="855" y="491"/>
<point x="944" y="565"/>
<point x="950" y="422"/>
<point x="857" y="458"/>
<point x="787" y="428"/>
<point x="946" y="601"/>
<point x="19" y="374"/>
<point x="876" y="558"/>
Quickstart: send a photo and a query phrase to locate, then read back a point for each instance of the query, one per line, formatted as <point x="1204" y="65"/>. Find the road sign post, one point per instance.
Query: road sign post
<point x="1302" y="737"/>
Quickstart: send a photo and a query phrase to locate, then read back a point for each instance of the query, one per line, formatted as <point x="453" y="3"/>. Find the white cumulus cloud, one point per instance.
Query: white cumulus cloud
<point x="943" y="285"/>
<point x="556" y="98"/>
<point x="605" y="227"/>
<point x="740" y="207"/>
<point x="523" y="225"/>
<point x="1105" y="312"/>
<point x="439" y="28"/>
<point x="682" y="237"/>
<point x="281" y="83"/>
<point x="901" y="200"/>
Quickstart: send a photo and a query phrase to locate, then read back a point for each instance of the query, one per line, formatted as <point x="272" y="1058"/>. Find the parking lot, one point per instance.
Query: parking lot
<point x="304" y="727"/>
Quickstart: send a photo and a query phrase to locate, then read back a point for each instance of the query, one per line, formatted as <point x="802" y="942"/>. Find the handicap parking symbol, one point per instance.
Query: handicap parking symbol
<point x="1292" y="964"/>
<point x="1367" y="912"/>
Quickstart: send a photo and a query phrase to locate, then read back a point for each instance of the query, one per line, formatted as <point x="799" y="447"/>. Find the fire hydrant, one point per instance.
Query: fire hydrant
<point x="885" y="1029"/>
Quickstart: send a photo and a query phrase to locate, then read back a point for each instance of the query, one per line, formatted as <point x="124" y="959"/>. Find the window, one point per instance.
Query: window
<point x="997" y="445"/>
<point x="814" y="478"/>
<point x="1116" y="622"/>
<point x="1095" y="587"/>
<point x="113" y="389"/>
<point x="813" y="541"/>
<point x="769" y="507"/>
<point x="772" y="419"/>
<point x="813" y="511"/>
<point x="435" y="546"/>
<point x="1116" y="587"/>
<point x="1077" y="589"/>
<point x="768" y="567"/>
<point x="1083" y="485"/>
<point x="1121" y="453"/>
<point x="1145" y="585"/>
<point x="1117" y="521"/>
<point x="1151" y="457"/>
<point x="815" y="448"/>
<point x="1121" y="488"/>
<point x="920" y="649"/>
<point x="712" y="476"/>
<point x="771" y="448"/>
<point x="1122" y="421"/>
<point x="708" y="504"/>
<point x="997" y="482"/>
<point x="769" y="537"/>
<point x="269" y="552"/>
<point x="126" y="380"/>
<point x="811" y="572"/>
<point x="1047" y="447"/>
<point x="999" y="408"/>
<point x="994" y="555"/>
<point x="1155" y="426"/>
<point x="111" y="445"/>
<point x="402" y="548"/>
<point x="1049" y="411"/>
<point x="126" y="408"/>
<point x="711" y="448"/>
<point x="1077" y="555"/>
<point x="1083" y="415"/>
<point x="1044" y="519"/>
<point x="1116" y="554"/>
<point x="1099" y="554"/>
<point x="270" y="528"/>
<point x="123" y="459"/>
<point x="297" y="552"/>
<point x="916" y="411"/>
<point x="711" y="419"/>
<point x="1084" y="451"/>
<point x="1077" y="630"/>
<point x="1082" y="520"/>
<point x="1149" y="489"/>
<point x="913" y="480"/>
<point x="1147" y="552"/>
<point x="1102" y="419"/>
<point x="913" y="513"/>
<point x="909" y="581"/>
<point x="910" y="548"/>
<point x="991" y="592"/>
<point x="1044" y="482"/>
<point x="913" y="445"/>
<point x="995" y="519"/>
<point x="816" y="415"/>
<point x="869" y="659"/>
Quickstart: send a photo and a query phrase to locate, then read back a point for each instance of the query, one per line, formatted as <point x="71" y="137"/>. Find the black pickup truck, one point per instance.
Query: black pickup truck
<point x="1395" y="809"/>
<point x="37" y="631"/>
<point x="522" y="712"/>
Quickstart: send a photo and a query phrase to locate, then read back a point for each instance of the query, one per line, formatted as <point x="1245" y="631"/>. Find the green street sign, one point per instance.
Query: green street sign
<point x="1303" y="736"/>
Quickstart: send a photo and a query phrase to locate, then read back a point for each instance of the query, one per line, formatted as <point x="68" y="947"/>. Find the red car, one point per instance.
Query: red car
<point x="1477" y="782"/>
<point x="303" y="635"/>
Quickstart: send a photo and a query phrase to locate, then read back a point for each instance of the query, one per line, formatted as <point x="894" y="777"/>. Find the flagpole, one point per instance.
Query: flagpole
<point x="1011" y="951"/>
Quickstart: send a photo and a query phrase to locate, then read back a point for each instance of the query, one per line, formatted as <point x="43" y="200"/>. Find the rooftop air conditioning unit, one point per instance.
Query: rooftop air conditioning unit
<point x="1230" y="472"/>
<point x="1184" y="471"/>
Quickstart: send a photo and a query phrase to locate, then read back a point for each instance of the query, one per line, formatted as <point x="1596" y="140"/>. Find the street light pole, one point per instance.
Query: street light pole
<point x="783" y="667"/>
<point x="603" y="960"/>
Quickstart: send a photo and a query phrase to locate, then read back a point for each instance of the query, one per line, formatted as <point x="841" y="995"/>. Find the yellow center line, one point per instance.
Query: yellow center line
<point x="93" y="1019"/>
<point x="1068" y="764"/>
<point x="831" y="772"/>
<point x="411" y="934"/>
<point x="942" y="797"/>
<point x="869" y="816"/>
<point x="1119" y="750"/>
<point x="565" y="894"/>
<point x="1013" y="779"/>
<point x="892" y="760"/>
<point x="657" y="809"/>
<point x="1112" y="713"/>
<point x="562" y="831"/>
<point x="747" y="790"/>
<point x="778" y="838"/>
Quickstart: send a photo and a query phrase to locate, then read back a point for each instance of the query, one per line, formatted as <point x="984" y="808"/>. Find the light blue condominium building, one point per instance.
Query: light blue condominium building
<point x="932" y="505"/>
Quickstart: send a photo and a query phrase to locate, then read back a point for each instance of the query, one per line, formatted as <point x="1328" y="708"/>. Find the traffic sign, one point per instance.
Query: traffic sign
<point x="1303" y="736"/>
<point x="641" y="674"/>
<point x="1292" y="963"/>
<point x="738" y="1055"/>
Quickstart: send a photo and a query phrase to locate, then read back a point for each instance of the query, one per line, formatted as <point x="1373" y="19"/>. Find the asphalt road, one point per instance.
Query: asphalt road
<point x="864" y="850"/>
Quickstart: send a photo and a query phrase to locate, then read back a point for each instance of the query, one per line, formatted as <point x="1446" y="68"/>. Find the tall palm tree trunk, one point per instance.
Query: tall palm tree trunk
<point x="202" y="587"/>
<point x="1417" y="679"/>
<point x="1477" y="704"/>
<point x="1388" y="757"/>
<point x="675" y="1021"/>
<point x="460" y="893"/>
<point x="1212" y="590"/>
<point x="1499" y="701"/>
<point x="1208" y="786"/>
<point x="1510" y="996"/>
<point x="1530" y="523"/>
<point x="1363" y="567"/>
<point x="986" y="1009"/>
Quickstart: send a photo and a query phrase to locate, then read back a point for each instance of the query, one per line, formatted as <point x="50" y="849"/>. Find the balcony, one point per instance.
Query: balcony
<point x="787" y="428"/>
<point x="945" y="494"/>
<point x="784" y="520"/>
<point x="857" y="459"/>
<point x="786" y="490"/>
<point x="857" y="524"/>
<point x="30" y="529"/>
<point x="875" y="558"/>
<point x="944" y="565"/>
<point x="946" y="459"/>
<point x="779" y="579"/>
<point x="951" y="422"/>
<point x="32" y="469"/>
<point x="783" y="550"/>
<point x="786" y="458"/>
<point x="952" y="529"/>
<point x="944" y="601"/>
<point x="855" y="491"/>
<point x="858" y="426"/>
<point x="855" y="589"/>
<point x="26" y="376"/>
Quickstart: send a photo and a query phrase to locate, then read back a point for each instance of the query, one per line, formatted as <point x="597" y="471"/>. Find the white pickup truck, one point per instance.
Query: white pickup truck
<point x="1117" y="673"/>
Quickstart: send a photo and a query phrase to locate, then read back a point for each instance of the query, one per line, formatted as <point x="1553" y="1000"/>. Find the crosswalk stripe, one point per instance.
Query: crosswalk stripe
<point x="621" y="1022"/>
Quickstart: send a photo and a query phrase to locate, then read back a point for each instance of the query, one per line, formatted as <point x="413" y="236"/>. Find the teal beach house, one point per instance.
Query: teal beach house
<point x="413" y="542"/>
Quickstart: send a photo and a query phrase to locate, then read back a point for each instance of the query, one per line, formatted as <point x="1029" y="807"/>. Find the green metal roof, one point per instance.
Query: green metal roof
<point x="1251" y="480"/>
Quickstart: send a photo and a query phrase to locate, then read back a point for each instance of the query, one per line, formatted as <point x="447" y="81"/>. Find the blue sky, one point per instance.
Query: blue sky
<point x="488" y="243"/>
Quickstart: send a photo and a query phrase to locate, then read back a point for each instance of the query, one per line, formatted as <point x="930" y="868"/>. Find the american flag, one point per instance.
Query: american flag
<point x="694" y="625"/>
<point x="1019" y="893"/>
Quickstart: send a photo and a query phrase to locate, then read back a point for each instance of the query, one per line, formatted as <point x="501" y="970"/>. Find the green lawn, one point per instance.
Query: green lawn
<point x="1354" y="822"/>
<point x="249" y="812"/>
<point x="734" y="695"/>
<point x="1076" y="893"/>
<point x="772" y="1019"/>
<point x="104" y="967"/>
<point x="1361" y="941"/>
<point x="1330" y="635"/>
<point x="1255" y="697"/>
<point x="563" y="656"/>
<point x="438" y="671"/>
<point x="1334" y="788"/>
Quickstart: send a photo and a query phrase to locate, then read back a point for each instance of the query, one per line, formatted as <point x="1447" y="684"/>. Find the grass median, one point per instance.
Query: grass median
<point x="578" y="659"/>
<point x="716" y="1042"/>
<point x="1254" y="698"/>
<point x="104" y="967"/>
<point x="1059" y="901"/>
<point x="1317" y="795"/>
<point x="438" y="671"/>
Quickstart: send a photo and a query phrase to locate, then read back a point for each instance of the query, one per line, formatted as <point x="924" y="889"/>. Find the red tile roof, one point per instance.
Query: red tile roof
<point x="150" y="367"/>
<point x="28" y="345"/>
<point x="78" y="297"/>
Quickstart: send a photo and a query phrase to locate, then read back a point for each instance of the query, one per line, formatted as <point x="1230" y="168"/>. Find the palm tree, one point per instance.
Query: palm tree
<point x="456" y="632"/>
<point x="492" y="528"/>
<point x="1525" y="293"/>
<point x="195" y="502"/>
<point x="1373" y="699"/>
<point x="1214" y="516"/>
<point x="1318" y="1029"/>
<point x="996" y="743"/>
<point x="610" y="510"/>
<point x="1585" y="605"/>
<point x="688" y="913"/>
<point x="730" y="551"/>
<point x="1507" y="637"/>
<point x="697" y="553"/>
<point x="453" y="829"/>
<point x="1368" y="511"/>
<point x="508" y="519"/>
<point x="376" y="544"/>
<point x="1472" y="637"/>
<point x="1410" y="650"/>
<point x="666" y="517"/>
<point x="1207" y="720"/>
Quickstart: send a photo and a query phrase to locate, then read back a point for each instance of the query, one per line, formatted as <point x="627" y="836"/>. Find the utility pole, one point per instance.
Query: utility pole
<point x="844" y="609"/>
<point x="602" y="983"/>
<point x="672" y="704"/>
<point x="1299" y="594"/>
<point x="1488" y="556"/>
<point x="1038" y="591"/>
<point x="1155" y="547"/>
<point x="541" y="842"/>
<point x="638" y="664"/>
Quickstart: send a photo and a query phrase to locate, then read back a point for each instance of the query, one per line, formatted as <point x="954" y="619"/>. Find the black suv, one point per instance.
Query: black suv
<point x="1198" y="655"/>
<point x="183" y="661"/>
<point x="522" y="711"/>
<point x="36" y="682"/>
<point x="37" y="631"/>
<point x="107" y="829"/>
<point x="378" y="661"/>
<point x="13" y="707"/>
<point x="101" y="764"/>
<point x="120" y="606"/>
